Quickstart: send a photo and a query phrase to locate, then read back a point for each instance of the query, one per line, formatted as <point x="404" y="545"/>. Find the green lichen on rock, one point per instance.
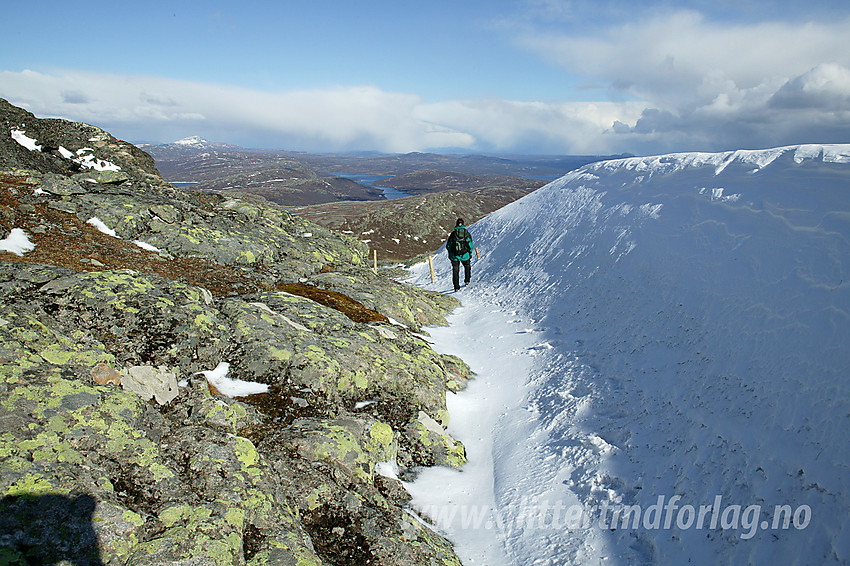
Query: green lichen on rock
<point x="408" y="305"/>
<point x="429" y="444"/>
<point x="354" y="443"/>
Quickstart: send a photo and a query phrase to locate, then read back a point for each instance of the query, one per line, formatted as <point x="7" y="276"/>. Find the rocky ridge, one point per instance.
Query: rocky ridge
<point x="132" y="295"/>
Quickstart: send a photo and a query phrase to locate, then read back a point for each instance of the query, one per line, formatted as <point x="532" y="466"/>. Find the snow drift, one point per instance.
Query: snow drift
<point x="692" y="322"/>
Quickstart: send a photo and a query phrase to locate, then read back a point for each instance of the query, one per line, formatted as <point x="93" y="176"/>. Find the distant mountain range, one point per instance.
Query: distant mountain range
<point x="214" y="166"/>
<point x="442" y="187"/>
<point x="191" y="144"/>
<point x="172" y="160"/>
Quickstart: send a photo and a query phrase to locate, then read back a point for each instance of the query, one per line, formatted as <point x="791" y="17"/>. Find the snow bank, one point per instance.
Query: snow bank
<point x="691" y="381"/>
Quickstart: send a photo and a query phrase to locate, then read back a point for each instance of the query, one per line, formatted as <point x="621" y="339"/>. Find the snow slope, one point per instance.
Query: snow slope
<point x="663" y="350"/>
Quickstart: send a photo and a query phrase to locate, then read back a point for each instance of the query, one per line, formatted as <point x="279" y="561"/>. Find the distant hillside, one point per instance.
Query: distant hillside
<point x="427" y="181"/>
<point x="404" y="228"/>
<point x="189" y="146"/>
<point x="529" y="166"/>
<point x="276" y="177"/>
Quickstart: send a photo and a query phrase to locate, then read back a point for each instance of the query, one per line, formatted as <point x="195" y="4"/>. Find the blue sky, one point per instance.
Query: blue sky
<point x="521" y="76"/>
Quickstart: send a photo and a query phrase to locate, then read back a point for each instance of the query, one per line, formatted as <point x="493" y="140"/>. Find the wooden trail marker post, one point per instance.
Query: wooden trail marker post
<point x="431" y="265"/>
<point x="477" y="254"/>
<point x="375" y="261"/>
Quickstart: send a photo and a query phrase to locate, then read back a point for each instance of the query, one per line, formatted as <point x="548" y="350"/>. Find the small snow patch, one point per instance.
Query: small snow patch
<point x="387" y="469"/>
<point x="232" y="387"/>
<point x="21" y="137"/>
<point x="146" y="246"/>
<point x="89" y="161"/>
<point x="17" y="242"/>
<point x="651" y="210"/>
<point x="85" y="158"/>
<point x="98" y="223"/>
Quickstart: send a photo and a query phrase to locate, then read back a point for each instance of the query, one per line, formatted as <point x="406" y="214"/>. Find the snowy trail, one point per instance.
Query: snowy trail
<point x="499" y="351"/>
<point x="509" y="505"/>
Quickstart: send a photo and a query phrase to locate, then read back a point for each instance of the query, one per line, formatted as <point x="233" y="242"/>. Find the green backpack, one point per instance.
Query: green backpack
<point x="460" y="243"/>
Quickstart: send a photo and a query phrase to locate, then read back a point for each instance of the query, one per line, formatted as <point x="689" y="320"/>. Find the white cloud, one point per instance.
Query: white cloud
<point x="683" y="55"/>
<point x="158" y="109"/>
<point x="345" y="118"/>
<point x="688" y="85"/>
<point x="503" y="125"/>
<point x="707" y="85"/>
<point x="826" y="87"/>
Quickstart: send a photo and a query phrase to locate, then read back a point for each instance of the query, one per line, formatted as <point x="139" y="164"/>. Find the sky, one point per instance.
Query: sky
<point x="477" y="76"/>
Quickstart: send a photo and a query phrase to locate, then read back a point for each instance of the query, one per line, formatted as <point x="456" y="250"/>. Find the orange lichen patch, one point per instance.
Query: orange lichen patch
<point x="354" y="310"/>
<point x="63" y="240"/>
<point x="103" y="374"/>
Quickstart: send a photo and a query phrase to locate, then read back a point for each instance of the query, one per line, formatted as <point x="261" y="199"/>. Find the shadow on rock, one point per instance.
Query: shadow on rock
<point x="48" y="529"/>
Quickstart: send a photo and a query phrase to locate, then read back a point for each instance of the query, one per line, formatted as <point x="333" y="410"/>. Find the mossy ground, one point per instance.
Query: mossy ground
<point x="335" y="300"/>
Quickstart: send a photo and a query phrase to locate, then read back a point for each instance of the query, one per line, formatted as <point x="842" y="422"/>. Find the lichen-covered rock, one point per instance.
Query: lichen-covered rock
<point x="410" y="306"/>
<point x="429" y="444"/>
<point x="97" y="330"/>
<point x="354" y="443"/>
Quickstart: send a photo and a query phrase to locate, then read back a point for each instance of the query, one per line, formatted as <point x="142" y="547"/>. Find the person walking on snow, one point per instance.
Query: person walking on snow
<point x="459" y="247"/>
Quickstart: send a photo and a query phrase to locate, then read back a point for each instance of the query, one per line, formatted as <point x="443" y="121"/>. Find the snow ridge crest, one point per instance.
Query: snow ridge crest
<point x="760" y="158"/>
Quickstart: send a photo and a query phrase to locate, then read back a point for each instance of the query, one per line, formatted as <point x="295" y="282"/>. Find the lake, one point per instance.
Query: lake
<point x="373" y="181"/>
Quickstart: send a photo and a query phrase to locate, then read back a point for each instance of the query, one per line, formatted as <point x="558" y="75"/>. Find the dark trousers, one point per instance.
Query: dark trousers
<point x="467" y="273"/>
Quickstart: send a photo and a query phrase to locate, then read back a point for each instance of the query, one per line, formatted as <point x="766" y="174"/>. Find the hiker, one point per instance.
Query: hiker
<point x="459" y="247"/>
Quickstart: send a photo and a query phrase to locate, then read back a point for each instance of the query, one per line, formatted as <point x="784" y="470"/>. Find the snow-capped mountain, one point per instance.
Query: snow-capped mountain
<point x="190" y="144"/>
<point x="192" y="141"/>
<point x="662" y="345"/>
